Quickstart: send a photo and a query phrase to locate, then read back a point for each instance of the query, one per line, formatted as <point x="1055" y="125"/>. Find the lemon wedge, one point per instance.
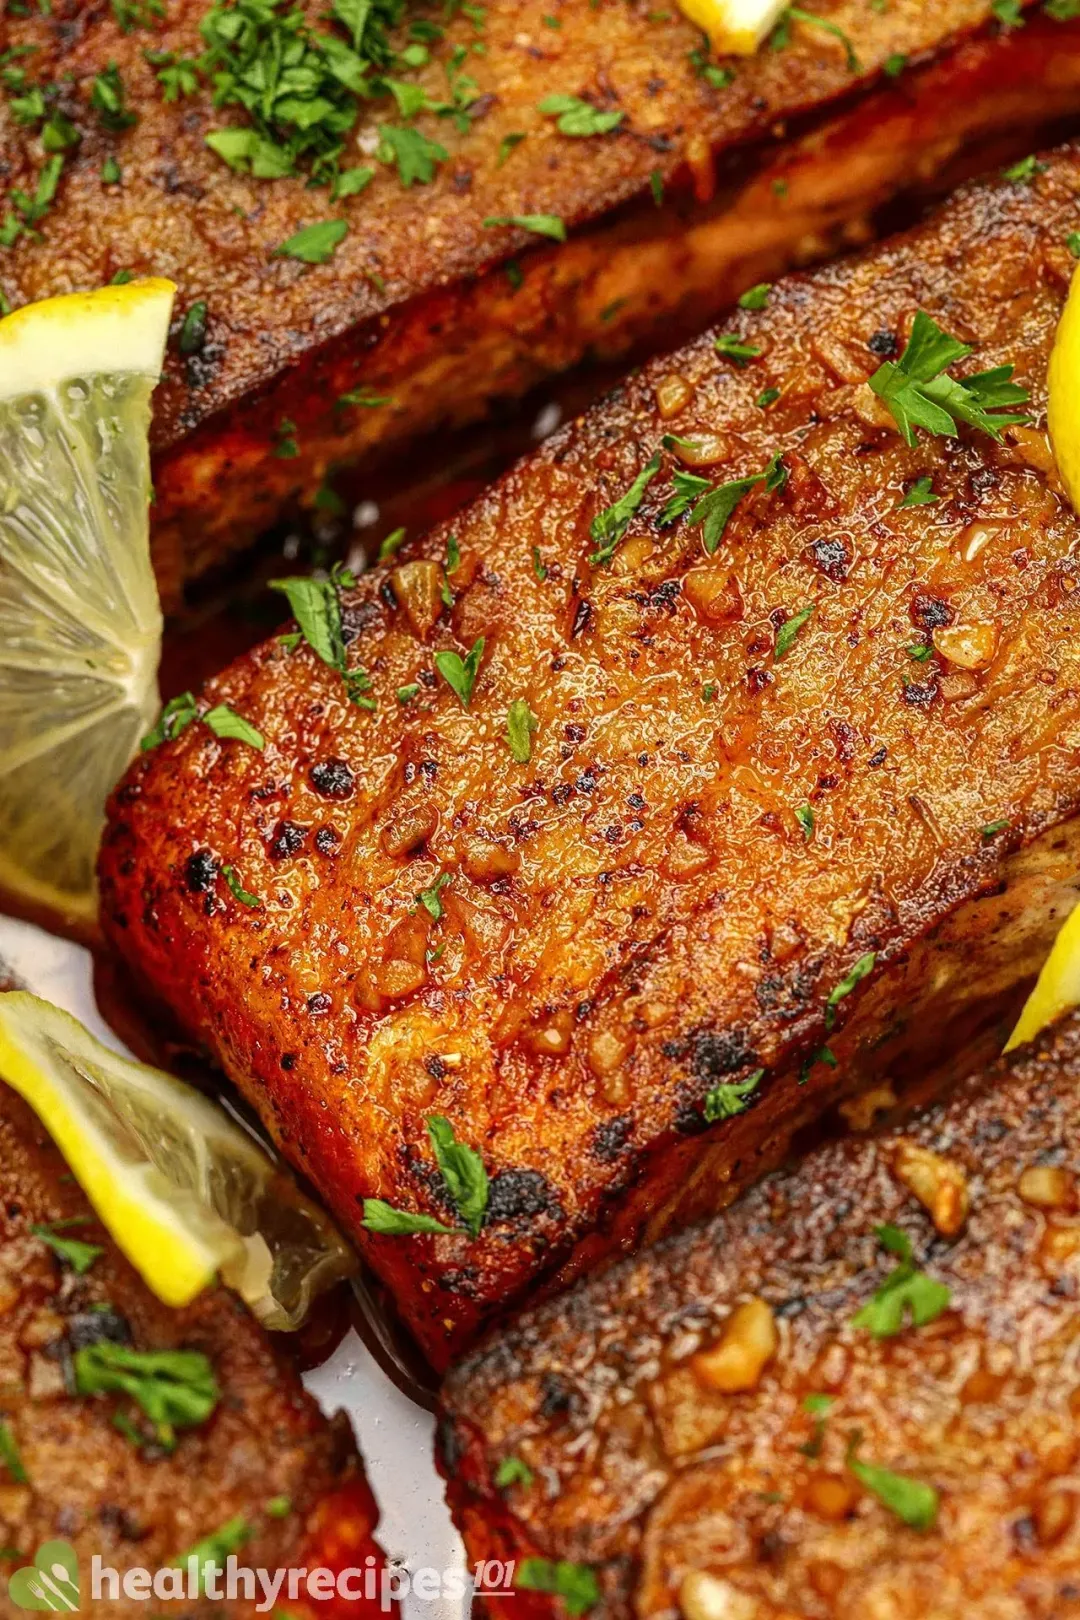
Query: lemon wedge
<point x="1063" y="402"/>
<point x="80" y="624"/>
<point x="735" y="27"/>
<point x="1056" y="989"/>
<point x="185" y="1192"/>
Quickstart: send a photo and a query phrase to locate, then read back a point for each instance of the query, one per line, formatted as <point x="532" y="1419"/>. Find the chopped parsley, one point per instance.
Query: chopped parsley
<point x="1024" y="172"/>
<point x="540" y="224"/>
<point x="507" y="145"/>
<point x="609" y="526"/>
<point x="894" y="65"/>
<point x="72" y="1251"/>
<point x="906" y="1290"/>
<point x="460" y="673"/>
<point x="921" y="493"/>
<point x="725" y="1101"/>
<point x="465" y="1181"/>
<point x="789" y="630"/>
<point x="862" y="967"/>
<point x="227" y="724"/>
<point x="415" y="156"/>
<point x="715" y="508"/>
<point x="756" y="297"/>
<point x="108" y="98"/>
<point x="175" y="1388"/>
<point x="278" y="1507"/>
<point x="578" y="117"/>
<point x="804" y="815"/>
<point x="781" y="35"/>
<point x="576" y="1584"/>
<point x="912" y="1501"/>
<point x="992" y="829"/>
<point x="920" y="651"/>
<point x="733" y="348"/>
<point x="656" y="186"/>
<point x="539" y="566"/>
<point x="512" y="1471"/>
<point x="767" y="397"/>
<point x="131" y="14"/>
<point x="919" y="393"/>
<point x="316" y="607"/>
<point x="520" y="725"/>
<point x="213" y="1551"/>
<point x="391" y="544"/>
<point x="315" y="244"/>
<point x="193" y="331"/>
<point x="179" y="712"/>
<point x="430" y="898"/>
<point x="10" y="1456"/>
<point x="1008" y="13"/>
<point x="818" y="1407"/>
<point x="1072" y="242"/>
<point x="237" y="890"/>
<point x="405" y="694"/>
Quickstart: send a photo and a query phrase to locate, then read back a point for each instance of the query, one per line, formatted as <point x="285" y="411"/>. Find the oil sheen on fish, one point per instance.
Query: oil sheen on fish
<point x="718" y="175"/>
<point x="747" y="1421"/>
<point x="793" y="806"/>
<point x="262" y="1475"/>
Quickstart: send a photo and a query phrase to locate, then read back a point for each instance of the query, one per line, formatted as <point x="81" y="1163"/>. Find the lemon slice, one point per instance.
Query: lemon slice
<point x="1063" y="403"/>
<point x="735" y="26"/>
<point x="80" y="624"/>
<point x="1056" y="989"/>
<point x="184" y="1191"/>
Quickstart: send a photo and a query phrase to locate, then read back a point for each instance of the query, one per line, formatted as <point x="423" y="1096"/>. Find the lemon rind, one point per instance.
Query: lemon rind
<point x="114" y="331"/>
<point x="1056" y="989"/>
<point x="174" y="1263"/>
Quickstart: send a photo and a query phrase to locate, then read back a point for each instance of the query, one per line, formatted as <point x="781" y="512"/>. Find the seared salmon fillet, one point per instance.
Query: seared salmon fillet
<point x="855" y="1394"/>
<point x="263" y="1471"/>
<point x="713" y="176"/>
<point x="618" y="818"/>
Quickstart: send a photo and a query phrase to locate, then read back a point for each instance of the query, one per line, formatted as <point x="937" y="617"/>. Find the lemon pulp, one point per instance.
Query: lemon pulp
<point x="735" y="26"/>
<point x="80" y="623"/>
<point x="184" y="1191"/>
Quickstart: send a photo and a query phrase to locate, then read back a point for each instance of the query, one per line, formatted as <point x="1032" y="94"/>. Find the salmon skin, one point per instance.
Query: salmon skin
<point x="264" y="1476"/>
<point x="705" y="187"/>
<point x="786" y="807"/>
<point x="685" y="1425"/>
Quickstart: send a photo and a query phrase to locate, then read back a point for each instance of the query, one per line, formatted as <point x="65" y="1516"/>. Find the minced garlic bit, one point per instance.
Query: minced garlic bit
<point x="938" y="1183"/>
<point x="708" y="1597"/>
<point x="747" y="1344"/>
<point x="735" y="26"/>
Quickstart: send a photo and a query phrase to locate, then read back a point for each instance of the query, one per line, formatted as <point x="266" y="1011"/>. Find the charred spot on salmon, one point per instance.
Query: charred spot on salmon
<point x="200" y="872"/>
<point x="883" y="344"/>
<point x="287" y="839"/>
<point x="332" y="779"/>
<point x="831" y="556"/>
<point x="714" y="1053"/>
<point x="931" y="612"/>
<point x="521" y="1196"/>
<point x="611" y="1137"/>
<point x="327" y="840"/>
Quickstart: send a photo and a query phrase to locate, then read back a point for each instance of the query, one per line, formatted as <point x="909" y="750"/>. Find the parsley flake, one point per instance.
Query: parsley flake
<point x="72" y="1251"/>
<point x="227" y="724"/>
<point x="725" y="1101"/>
<point x="789" y="630"/>
<point x="179" y="712"/>
<point x="237" y="890"/>
<point x="919" y="392"/>
<point x="862" y="967"/>
<point x="804" y="815"/>
<point x="520" y="725"/>
<point x="549" y="225"/>
<point x="576" y="1584"/>
<point x="733" y="348"/>
<point x="578" y="117"/>
<point x="10" y="1456"/>
<point x="609" y="526"/>
<point x="175" y="1388"/>
<point x="315" y="244"/>
<point x="756" y="297"/>
<point x="460" y="673"/>
<point x="910" y="1499"/>
<point x="905" y="1290"/>
<point x="512" y="1471"/>
<point x="921" y="493"/>
<point x="464" y="1178"/>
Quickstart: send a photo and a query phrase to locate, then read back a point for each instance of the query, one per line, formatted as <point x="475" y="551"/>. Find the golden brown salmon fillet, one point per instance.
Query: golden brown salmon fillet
<point x="619" y="819"/>
<point x="688" y="189"/>
<point x="236" y="1458"/>
<point x="854" y="1394"/>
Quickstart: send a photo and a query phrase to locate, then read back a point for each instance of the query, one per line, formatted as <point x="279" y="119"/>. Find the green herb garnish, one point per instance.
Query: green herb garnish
<point x="733" y="348"/>
<point x="919" y="393"/>
<point x="912" y="1501"/>
<point x="237" y="890"/>
<point x="540" y="224"/>
<point x="578" y="117"/>
<point x="175" y="1388"/>
<point x="905" y="1290"/>
<point x="460" y="673"/>
<point x="315" y="244"/>
<point x="227" y="724"/>
<point x="789" y="630"/>
<point x="512" y="1471"/>
<point x="74" y="1253"/>
<point x="862" y="967"/>
<point x="724" y="1102"/>
<point x="609" y="526"/>
<point x="520" y="725"/>
<point x="576" y="1584"/>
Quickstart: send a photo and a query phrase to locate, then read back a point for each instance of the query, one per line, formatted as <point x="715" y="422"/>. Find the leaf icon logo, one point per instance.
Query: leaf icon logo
<point x="50" y="1583"/>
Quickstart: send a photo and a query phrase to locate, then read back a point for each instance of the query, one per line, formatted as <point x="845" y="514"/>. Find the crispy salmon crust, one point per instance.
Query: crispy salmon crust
<point x="785" y="164"/>
<point x="649" y="1464"/>
<point x="564" y="957"/>
<point x="266" y="1463"/>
